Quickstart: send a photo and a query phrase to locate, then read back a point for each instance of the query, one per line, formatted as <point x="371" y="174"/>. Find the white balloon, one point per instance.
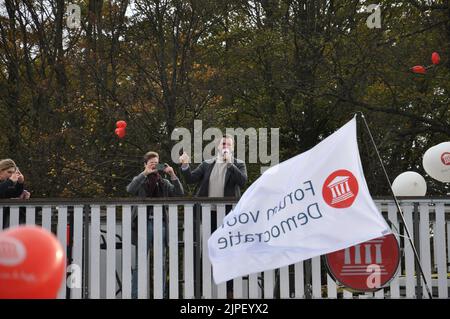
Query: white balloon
<point x="409" y="184"/>
<point x="436" y="162"/>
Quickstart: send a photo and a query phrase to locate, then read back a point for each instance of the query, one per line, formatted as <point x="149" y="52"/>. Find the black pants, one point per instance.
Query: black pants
<point x="228" y="208"/>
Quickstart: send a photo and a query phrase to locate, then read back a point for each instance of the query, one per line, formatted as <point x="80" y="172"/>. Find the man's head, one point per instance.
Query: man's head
<point x="151" y="159"/>
<point x="7" y="168"/>
<point x="226" y="143"/>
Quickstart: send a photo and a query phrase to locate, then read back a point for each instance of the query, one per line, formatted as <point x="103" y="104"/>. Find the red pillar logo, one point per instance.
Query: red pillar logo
<point x="340" y="189"/>
<point x="367" y="266"/>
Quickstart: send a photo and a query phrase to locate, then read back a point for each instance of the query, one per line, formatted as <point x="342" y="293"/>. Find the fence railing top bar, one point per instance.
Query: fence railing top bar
<point x="412" y="198"/>
<point x="116" y="201"/>
<point x="178" y="200"/>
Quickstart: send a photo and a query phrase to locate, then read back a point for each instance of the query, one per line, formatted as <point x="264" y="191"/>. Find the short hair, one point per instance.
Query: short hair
<point x="7" y="163"/>
<point x="149" y="156"/>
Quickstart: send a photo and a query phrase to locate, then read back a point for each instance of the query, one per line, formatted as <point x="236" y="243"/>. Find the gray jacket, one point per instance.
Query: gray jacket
<point x="137" y="188"/>
<point x="235" y="177"/>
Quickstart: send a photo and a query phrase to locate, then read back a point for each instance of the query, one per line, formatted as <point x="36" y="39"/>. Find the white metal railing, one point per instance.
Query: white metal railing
<point x="101" y="255"/>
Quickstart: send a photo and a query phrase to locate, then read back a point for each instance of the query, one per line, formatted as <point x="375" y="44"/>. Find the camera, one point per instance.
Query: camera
<point x="160" y="167"/>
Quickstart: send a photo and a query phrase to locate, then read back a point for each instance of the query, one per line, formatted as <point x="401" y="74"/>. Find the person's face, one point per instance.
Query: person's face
<point x="7" y="173"/>
<point x="225" y="144"/>
<point x="151" y="163"/>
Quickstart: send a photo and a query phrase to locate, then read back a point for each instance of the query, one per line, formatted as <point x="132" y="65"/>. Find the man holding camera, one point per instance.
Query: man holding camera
<point x="150" y="183"/>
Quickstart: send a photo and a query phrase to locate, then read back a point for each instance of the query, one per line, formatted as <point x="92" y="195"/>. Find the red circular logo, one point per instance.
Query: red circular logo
<point x="445" y="158"/>
<point x="365" y="267"/>
<point x="340" y="189"/>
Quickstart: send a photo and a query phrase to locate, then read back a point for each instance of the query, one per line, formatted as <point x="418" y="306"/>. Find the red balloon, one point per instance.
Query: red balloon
<point x="120" y="132"/>
<point x="435" y="58"/>
<point x="121" y="124"/>
<point x="32" y="263"/>
<point x="419" y="69"/>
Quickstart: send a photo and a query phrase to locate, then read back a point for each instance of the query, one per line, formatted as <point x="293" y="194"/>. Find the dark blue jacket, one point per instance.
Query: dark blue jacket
<point x="9" y="189"/>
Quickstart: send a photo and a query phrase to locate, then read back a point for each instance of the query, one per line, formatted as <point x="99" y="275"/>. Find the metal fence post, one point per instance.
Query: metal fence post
<point x="86" y="213"/>
<point x="416" y="223"/>
<point x="197" y="252"/>
<point x="308" y="279"/>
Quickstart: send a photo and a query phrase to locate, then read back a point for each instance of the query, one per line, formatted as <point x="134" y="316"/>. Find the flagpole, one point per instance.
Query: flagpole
<point x="416" y="255"/>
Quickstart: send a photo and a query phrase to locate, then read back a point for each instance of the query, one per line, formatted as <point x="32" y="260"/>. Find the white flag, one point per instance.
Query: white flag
<point x="312" y="204"/>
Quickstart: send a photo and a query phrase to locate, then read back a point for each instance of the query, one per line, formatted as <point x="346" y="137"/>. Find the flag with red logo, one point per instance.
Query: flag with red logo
<point x="313" y="204"/>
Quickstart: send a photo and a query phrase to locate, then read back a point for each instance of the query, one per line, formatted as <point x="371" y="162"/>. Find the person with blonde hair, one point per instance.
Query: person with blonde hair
<point x="11" y="186"/>
<point x="11" y="180"/>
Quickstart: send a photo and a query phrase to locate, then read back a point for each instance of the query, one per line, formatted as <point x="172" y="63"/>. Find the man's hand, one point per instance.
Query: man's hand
<point x="20" y="177"/>
<point x="226" y="157"/>
<point x="184" y="159"/>
<point x="25" y="195"/>
<point x="149" y="169"/>
<point x="169" y="170"/>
